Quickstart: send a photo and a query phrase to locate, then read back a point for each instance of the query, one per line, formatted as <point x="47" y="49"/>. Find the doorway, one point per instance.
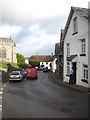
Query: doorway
<point x="74" y="69"/>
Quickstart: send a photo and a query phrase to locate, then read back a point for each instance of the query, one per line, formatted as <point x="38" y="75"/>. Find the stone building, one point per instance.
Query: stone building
<point x="7" y="50"/>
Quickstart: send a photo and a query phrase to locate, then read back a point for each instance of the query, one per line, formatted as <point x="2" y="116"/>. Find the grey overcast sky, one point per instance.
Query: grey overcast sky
<point x="35" y="25"/>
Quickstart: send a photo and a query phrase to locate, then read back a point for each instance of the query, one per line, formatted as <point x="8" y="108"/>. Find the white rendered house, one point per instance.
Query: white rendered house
<point x="26" y="61"/>
<point x="75" y="38"/>
<point x="43" y="59"/>
<point x="54" y="65"/>
<point x="45" y="65"/>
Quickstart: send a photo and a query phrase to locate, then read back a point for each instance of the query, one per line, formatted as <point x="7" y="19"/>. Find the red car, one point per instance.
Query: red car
<point x="31" y="73"/>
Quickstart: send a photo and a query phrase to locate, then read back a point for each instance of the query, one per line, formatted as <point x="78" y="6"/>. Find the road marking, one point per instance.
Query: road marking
<point x="1" y="88"/>
<point x="1" y="109"/>
<point x="0" y="106"/>
<point x="4" y="85"/>
<point x="1" y="92"/>
<point x="0" y="96"/>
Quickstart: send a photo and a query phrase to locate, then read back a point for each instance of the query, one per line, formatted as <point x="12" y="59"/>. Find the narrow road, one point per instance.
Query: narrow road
<point x="43" y="98"/>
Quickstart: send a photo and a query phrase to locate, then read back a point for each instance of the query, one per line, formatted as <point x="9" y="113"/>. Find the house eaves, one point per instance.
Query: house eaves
<point x="82" y="11"/>
<point x="71" y="57"/>
<point x="67" y="23"/>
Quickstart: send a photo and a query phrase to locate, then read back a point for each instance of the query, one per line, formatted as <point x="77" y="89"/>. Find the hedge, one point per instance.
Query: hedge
<point x="34" y="63"/>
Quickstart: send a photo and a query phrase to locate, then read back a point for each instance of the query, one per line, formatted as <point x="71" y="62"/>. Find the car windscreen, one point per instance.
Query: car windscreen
<point x="14" y="73"/>
<point x="24" y="71"/>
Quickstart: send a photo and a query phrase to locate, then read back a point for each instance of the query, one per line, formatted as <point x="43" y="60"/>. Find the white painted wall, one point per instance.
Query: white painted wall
<point x="46" y="65"/>
<point x="75" y="47"/>
<point x="26" y="61"/>
<point x="54" y="65"/>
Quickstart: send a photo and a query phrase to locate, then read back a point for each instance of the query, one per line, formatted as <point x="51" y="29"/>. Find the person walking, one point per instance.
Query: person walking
<point x="71" y="76"/>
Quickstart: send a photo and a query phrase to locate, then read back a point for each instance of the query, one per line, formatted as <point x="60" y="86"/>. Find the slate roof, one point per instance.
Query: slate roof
<point x="71" y="57"/>
<point x="57" y="48"/>
<point x="82" y="11"/>
<point x="53" y="57"/>
<point x="41" y="58"/>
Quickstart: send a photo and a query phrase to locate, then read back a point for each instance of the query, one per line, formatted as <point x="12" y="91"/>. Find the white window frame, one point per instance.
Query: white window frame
<point x="68" y="49"/>
<point x="83" y="46"/>
<point x="75" y="26"/>
<point x="68" y="68"/>
<point x="85" y="72"/>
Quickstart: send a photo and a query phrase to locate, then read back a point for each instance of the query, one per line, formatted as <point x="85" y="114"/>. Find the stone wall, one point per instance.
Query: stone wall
<point x="9" y="46"/>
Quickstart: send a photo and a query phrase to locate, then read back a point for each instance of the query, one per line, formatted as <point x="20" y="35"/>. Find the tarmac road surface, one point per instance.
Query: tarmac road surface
<point x="43" y="98"/>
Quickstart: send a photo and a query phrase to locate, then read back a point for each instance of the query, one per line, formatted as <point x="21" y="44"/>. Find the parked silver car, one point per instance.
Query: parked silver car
<point x="15" y="76"/>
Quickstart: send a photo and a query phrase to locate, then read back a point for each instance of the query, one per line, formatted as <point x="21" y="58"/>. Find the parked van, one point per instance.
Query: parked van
<point x="31" y="73"/>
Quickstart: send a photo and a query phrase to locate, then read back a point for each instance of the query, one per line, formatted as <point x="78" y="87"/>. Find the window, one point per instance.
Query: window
<point x="68" y="49"/>
<point x="83" y="44"/>
<point x="68" y="68"/>
<point x="85" y="72"/>
<point x="75" y="25"/>
<point x="2" y="53"/>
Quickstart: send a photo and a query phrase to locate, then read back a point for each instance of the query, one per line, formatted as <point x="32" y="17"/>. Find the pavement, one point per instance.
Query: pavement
<point x="57" y="79"/>
<point x="0" y="100"/>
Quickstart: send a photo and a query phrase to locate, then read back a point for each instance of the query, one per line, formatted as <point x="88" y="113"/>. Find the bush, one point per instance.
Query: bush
<point x="23" y="65"/>
<point x="4" y="64"/>
<point x="14" y="65"/>
<point x="6" y="68"/>
<point x="34" y="63"/>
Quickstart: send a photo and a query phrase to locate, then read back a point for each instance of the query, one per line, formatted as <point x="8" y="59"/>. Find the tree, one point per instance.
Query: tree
<point x="20" y="58"/>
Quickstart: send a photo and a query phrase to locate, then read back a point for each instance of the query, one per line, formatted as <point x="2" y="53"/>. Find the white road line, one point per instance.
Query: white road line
<point x="1" y="88"/>
<point x="5" y="84"/>
<point x="1" y="92"/>
<point x="0" y="106"/>
<point x="1" y="109"/>
<point x="0" y="97"/>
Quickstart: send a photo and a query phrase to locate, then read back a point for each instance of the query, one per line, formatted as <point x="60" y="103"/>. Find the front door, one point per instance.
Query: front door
<point x="74" y="74"/>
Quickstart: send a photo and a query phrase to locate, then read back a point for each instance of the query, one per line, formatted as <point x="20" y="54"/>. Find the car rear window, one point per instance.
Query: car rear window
<point x="14" y="73"/>
<point x="31" y="70"/>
